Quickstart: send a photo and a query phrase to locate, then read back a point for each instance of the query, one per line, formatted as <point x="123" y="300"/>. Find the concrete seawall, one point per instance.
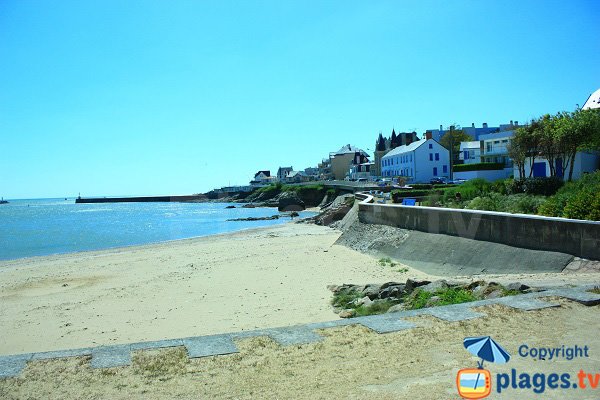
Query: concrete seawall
<point x="575" y="237"/>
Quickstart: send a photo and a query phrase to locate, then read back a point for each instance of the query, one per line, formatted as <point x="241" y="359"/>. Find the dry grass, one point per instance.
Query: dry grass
<point x="350" y="363"/>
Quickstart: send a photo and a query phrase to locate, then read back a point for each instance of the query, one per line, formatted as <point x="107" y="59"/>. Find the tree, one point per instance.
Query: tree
<point x="575" y="131"/>
<point x="394" y="140"/>
<point x="518" y="150"/>
<point x="452" y="138"/>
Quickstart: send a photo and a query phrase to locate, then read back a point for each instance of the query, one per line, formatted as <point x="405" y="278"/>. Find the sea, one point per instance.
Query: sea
<point x="42" y="227"/>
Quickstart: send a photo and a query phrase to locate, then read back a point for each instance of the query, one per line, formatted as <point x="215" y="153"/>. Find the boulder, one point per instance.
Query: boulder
<point x="435" y="286"/>
<point x="392" y="291"/>
<point x="249" y="205"/>
<point x="388" y="284"/>
<point x="518" y="286"/>
<point x="289" y="201"/>
<point x="372" y="291"/>
<point x="230" y="207"/>
<point x="412" y="284"/>
<point x="365" y="301"/>
<point x="347" y="314"/>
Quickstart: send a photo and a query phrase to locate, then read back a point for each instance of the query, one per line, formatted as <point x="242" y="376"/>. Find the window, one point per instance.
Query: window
<point x="434" y="171"/>
<point x="430" y="146"/>
<point x="489" y="147"/>
<point x="430" y="156"/>
<point x="437" y="156"/>
<point x="410" y="157"/>
<point x="445" y="169"/>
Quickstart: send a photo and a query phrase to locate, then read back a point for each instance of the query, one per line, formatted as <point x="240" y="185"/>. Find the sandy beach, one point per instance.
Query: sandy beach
<point x="350" y="363"/>
<point x="258" y="278"/>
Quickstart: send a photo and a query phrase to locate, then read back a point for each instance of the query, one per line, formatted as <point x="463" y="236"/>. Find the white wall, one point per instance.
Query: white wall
<point x="424" y="167"/>
<point x="585" y="162"/>
<point x="492" y="175"/>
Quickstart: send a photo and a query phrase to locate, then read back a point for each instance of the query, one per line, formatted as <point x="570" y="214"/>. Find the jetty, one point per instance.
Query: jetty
<point x="143" y="199"/>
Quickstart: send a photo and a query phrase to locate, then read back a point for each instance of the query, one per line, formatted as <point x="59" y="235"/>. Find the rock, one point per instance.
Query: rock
<point x="397" y="308"/>
<point x="249" y="205"/>
<point x="412" y="284"/>
<point x="255" y="218"/>
<point x="347" y="314"/>
<point x="372" y="291"/>
<point x="518" y="286"/>
<point x="289" y="201"/>
<point x="433" y="301"/>
<point x="388" y="284"/>
<point x="477" y="285"/>
<point x="435" y="286"/>
<point x="294" y="214"/>
<point x="392" y="291"/>
<point x="494" y="294"/>
<point x="365" y="301"/>
<point x="333" y="288"/>
<point x="230" y="207"/>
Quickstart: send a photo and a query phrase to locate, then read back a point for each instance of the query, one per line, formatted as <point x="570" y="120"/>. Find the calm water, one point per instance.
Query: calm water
<point x="53" y="226"/>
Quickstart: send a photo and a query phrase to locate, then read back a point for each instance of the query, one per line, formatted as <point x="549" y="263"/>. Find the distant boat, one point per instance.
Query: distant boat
<point x="3" y="201"/>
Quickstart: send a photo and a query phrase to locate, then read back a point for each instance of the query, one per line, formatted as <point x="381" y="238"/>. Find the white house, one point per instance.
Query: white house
<point x="470" y="152"/>
<point x="593" y="101"/>
<point x="419" y="161"/>
<point x="262" y="178"/>
<point x="495" y="147"/>
<point x="283" y="172"/>
<point x="585" y="162"/>
<point x="296" y="177"/>
<point x="361" y="171"/>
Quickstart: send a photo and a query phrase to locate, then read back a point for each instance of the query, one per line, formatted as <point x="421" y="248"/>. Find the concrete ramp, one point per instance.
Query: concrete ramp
<point x="445" y="255"/>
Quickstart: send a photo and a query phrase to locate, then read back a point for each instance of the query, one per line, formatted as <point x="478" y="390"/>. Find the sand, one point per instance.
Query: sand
<point x="351" y="363"/>
<point x="259" y="278"/>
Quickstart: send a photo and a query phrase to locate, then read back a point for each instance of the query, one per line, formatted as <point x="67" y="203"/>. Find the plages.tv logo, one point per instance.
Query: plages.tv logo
<point x="476" y="383"/>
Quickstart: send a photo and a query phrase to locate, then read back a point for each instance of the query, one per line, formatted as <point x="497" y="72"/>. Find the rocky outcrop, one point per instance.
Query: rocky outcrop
<point x="289" y="201"/>
<point x="255" y="218"/>
<point x="402" y="296"/>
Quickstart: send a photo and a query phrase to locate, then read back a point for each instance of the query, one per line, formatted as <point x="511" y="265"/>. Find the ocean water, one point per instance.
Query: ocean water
<point x="54" y="226"/>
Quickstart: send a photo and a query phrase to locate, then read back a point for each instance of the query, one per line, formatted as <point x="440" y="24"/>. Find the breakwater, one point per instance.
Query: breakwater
<point x="143" y="199"/>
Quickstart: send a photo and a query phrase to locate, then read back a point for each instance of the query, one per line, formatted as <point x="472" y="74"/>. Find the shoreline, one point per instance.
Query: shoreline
<point x="4" y="263"/>
<point x="252" y="279"/>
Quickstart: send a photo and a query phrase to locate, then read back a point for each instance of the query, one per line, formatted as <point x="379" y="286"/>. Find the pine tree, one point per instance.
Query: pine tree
<point x="394" y="143"/>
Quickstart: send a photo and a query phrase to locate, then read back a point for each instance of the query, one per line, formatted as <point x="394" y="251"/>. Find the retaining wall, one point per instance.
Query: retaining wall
<point x="575" y="237"/>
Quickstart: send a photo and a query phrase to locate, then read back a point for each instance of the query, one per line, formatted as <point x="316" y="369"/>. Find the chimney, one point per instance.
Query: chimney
<point x="511" y="122"/>
<point x="441" y="129"/>
<point x="485" y="124"/>
<point x="472" y="124"/>
<point x="516" y="123"/>
<point x="428" y="135"/>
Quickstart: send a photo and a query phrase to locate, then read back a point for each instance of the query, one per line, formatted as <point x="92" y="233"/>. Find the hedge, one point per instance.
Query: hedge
<point x="478" y="167"/>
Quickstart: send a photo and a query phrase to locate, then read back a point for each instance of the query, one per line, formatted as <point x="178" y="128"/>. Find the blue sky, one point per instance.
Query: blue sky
<point x="156" y="97"/>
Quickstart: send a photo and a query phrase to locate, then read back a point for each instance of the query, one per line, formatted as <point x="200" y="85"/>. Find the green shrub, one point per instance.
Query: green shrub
<point x="535" y="186"/>
<point x="478" y="167"/>
<point x="522" y="203"/>
<point x="345" y="298"/>
<point x="491" y="202"/>
<point x="578" y="200"/>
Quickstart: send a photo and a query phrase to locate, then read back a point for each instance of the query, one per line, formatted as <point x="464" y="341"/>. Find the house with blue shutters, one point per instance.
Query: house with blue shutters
<point x="418" y="162"/>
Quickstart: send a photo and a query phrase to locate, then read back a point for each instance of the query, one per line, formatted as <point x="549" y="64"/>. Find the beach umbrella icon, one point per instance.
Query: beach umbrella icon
<point x="487" y="349"/>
